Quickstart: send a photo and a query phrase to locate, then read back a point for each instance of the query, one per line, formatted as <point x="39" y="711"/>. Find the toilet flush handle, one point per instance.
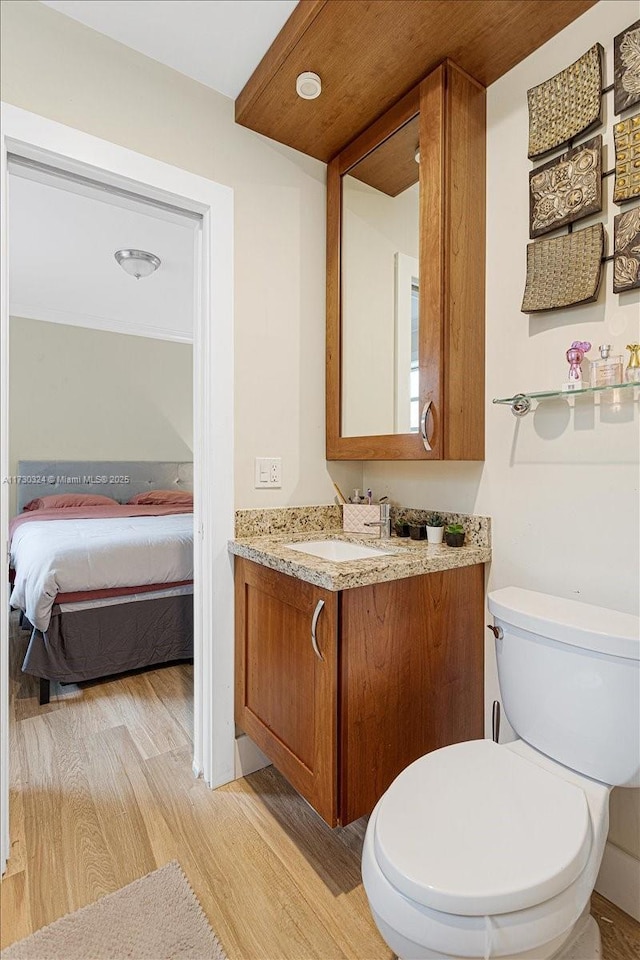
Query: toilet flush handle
<point x="496" y="631"/>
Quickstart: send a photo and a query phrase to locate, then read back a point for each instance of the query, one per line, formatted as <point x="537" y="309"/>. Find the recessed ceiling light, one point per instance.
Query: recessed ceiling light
<point x="308" y="86"/>
<point x="137" y="263"/>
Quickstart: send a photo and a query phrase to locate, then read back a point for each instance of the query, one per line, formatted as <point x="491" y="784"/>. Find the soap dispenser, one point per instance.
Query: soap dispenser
<point x="607" y="371"/>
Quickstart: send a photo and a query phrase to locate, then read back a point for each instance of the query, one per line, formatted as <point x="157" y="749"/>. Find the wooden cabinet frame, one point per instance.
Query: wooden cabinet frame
<point x="452" y="109"/>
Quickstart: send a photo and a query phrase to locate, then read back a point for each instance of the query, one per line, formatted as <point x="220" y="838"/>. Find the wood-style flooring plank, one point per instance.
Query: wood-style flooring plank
<point x="68" y="861"/>
<point x="620" y="933"/>
<point x="122" y="825"/>
<point x="174" y="689"/>
<point x="137" y="706"/>
<point x="15" y="913"/>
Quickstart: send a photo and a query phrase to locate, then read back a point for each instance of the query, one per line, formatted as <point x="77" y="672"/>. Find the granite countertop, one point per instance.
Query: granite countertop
<point x="410" y="558"/>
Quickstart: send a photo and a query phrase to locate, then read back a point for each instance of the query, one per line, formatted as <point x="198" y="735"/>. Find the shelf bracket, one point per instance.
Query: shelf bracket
<point x="520" y="405"/>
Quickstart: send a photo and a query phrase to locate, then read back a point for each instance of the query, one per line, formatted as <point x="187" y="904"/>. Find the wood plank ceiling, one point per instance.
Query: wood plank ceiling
<point x="369" y="53"/>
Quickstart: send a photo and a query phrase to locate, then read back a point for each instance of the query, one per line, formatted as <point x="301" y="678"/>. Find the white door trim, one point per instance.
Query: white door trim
<point x="26" y="134"/>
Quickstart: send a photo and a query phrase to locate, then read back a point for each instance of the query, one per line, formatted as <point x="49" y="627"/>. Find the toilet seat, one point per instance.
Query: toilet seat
<point x="474" y="830"/>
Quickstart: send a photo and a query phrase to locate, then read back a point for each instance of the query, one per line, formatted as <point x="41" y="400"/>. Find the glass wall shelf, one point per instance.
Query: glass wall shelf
<point x="521" y="403"/>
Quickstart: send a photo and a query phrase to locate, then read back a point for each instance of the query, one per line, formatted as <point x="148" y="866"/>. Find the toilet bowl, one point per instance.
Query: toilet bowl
<point x="481" y="850"/>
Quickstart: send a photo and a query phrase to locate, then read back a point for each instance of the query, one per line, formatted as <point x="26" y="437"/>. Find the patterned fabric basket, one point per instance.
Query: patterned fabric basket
<point x="356" y="515"/>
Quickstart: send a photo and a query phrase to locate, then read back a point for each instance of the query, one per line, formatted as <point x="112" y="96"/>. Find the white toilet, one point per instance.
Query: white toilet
<point x="484" y="850"/>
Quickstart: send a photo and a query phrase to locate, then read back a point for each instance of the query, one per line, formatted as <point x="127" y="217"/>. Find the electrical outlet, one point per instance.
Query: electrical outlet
<point x="275" y="472"/>
<point x="268" y="472"/>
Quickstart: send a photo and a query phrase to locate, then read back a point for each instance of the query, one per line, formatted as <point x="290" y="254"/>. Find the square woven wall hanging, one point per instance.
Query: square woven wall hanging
<point x="564" y="271"/>
<point x="567" y="104"/>
<point x="626" y="68"/>
<point x="566" y="189"/>
<point x="626" y="247"/>
<point x="626" y="136"/>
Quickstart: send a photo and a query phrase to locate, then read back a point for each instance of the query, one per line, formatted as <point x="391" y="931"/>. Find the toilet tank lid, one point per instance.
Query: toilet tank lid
<point x="568" y="621"/>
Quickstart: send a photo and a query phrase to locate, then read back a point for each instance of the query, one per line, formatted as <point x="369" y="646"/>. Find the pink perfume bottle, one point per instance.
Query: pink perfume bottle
<point x="575" y="356"/>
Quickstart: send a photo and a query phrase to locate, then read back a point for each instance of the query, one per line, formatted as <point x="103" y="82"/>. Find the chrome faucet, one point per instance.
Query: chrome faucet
<point x="384" y="522"/>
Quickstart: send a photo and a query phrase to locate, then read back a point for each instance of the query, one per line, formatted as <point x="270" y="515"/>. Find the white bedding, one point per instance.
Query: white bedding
<point x="67" y="556"/>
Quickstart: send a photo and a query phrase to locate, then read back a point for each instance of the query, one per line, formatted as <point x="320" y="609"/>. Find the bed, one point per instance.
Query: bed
<point x="102" y="589"/>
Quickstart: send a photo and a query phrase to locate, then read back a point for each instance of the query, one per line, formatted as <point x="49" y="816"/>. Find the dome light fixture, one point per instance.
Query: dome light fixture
<point x="308" y="86"/>
<point x="416" y="155"/>
<point x="137" y="263"/>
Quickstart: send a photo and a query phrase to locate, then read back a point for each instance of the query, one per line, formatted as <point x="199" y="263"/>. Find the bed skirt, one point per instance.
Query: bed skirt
<point x="105" y="640"/>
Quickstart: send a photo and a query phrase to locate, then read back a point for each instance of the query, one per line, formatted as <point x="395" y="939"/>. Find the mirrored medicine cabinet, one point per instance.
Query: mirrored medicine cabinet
<point x="405" y="279"/>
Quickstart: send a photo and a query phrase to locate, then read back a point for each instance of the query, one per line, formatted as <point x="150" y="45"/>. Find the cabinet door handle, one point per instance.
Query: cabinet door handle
<point x="423" y="424"/>
<point x="314" y="624"/>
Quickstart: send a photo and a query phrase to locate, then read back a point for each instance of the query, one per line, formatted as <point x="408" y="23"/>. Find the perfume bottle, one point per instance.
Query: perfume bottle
<point x="632" y="373"/>
<point x="575" y="356"/>
<point x="607" y="371"/>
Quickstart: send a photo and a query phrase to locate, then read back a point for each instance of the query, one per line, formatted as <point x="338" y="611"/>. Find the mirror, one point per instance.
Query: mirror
<point x="380" y="288"/>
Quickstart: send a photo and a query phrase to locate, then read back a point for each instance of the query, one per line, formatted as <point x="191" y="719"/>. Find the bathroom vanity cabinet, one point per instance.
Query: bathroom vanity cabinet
<point x="342" y="690"/>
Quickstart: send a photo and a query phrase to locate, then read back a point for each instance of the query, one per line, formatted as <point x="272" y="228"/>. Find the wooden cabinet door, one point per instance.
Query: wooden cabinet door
<point x="412" y="676"/>
<point x="451" y="107"/>
<point x="286" y="696"/>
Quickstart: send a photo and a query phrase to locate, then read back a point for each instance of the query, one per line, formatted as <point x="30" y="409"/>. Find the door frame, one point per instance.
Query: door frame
<point x="28" y="135"/>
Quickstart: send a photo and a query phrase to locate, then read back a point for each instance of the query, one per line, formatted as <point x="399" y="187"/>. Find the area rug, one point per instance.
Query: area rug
<point x="155" y="918"/>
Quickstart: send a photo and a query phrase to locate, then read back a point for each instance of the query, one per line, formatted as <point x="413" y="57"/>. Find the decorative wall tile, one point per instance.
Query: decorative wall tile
<point x="566" y="189"/>
<point x="626" y="66"/>
<point x="626" y="246"/>
<point x="564" y="271"/>
<point x="566" y="105"/>
<point x="626" y="135"/>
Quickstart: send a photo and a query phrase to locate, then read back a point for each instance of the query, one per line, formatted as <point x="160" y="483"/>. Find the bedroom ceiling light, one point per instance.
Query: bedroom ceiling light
<point x="308" y="86"/>
<point x="137" y="263"/>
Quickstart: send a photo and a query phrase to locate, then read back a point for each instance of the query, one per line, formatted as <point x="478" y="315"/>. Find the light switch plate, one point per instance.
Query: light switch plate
<point x="268" y="472"/>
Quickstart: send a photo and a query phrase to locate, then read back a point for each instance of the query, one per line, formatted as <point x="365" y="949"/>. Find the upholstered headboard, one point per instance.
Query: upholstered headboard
<point x="120" y="479"/>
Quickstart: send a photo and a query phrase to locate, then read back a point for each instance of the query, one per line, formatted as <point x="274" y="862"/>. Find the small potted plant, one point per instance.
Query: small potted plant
<point x="435" y="528"/>
<point x="454" y="534"/>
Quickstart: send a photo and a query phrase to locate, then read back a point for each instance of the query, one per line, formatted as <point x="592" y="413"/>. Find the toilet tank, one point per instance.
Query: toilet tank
<point x="570" y="681"/>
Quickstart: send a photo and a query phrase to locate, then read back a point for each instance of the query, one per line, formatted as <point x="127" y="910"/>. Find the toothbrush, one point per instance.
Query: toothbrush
<point x="339" y="492"/>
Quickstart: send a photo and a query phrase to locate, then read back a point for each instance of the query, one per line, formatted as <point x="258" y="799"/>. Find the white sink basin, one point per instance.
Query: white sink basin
<point x="338" y="550"/>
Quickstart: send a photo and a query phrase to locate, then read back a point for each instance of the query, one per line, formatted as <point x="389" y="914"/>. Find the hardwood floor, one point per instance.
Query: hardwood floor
<point x="102" y="793"/>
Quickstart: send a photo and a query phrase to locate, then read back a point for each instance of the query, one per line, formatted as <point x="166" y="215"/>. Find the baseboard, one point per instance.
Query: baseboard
<point x="619" y="880"/>
<point x="249" y="757"/>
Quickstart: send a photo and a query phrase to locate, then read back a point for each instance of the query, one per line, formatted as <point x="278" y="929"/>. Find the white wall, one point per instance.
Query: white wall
<point x="561" y="485"/>
<point x="60" y="69"/>
<point x="79" y="394"/>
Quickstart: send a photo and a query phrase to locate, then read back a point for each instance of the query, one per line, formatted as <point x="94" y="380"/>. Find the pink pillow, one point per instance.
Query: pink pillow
<point x="60" y="501"/>
<point x="167" y="498"/>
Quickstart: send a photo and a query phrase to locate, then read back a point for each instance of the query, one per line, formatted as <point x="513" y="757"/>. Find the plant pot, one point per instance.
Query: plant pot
<point x="454" y="539"/>
<point x="417" y="532"/>
<point x="435" y="534"/>
<point x="402" y="529"/>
